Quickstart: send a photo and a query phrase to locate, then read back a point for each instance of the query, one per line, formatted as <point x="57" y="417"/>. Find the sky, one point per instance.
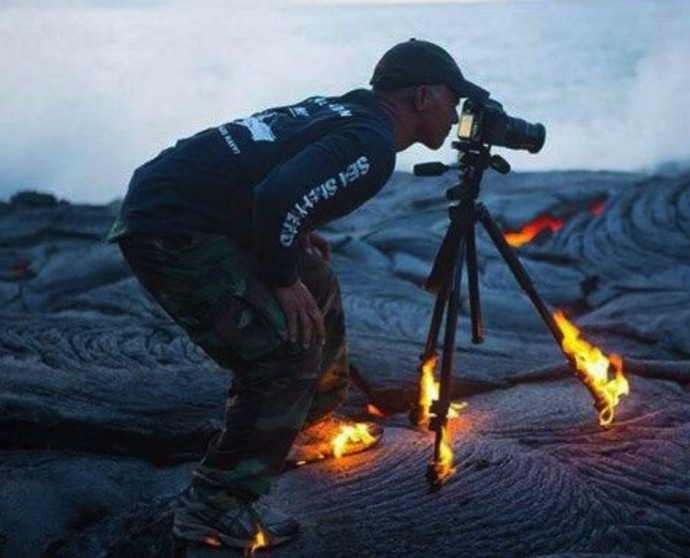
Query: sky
<point x="94" y="88"/>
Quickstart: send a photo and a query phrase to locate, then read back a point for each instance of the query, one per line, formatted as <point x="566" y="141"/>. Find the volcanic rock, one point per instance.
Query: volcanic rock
<point x="105" y="405"/>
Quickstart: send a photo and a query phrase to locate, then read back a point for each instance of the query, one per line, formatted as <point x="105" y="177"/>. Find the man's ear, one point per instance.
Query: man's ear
<point x="422" y="98"/>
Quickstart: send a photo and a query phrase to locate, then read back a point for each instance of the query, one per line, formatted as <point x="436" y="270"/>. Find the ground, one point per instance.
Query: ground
<point x="105" y="406"/>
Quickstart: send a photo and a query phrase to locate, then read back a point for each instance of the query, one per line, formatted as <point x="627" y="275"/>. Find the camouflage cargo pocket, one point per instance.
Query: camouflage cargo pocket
<point x="209" y="286"/>
<point x="244" y="325"/>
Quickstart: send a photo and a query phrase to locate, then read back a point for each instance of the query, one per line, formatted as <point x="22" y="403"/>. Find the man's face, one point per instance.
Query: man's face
<point x="438" y="114"/>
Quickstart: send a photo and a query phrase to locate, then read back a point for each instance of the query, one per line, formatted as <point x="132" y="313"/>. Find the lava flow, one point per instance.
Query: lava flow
<point x="530" y="230"/>
<point x="543" y="222"/>
<point x="602" y="375"/>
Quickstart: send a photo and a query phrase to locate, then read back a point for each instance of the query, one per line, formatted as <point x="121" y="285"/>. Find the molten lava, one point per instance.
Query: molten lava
<point x="602" y="375"/>
<point x="597" y="208"/>
<point x="532" y="229"/>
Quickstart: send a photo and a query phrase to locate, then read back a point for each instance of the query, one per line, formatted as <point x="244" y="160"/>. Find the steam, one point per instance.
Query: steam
<point x="89" y="93"/>
<point x="647" y="126"/>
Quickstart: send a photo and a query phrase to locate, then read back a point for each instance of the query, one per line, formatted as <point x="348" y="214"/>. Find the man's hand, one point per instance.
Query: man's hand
<point x="304" y="319"/>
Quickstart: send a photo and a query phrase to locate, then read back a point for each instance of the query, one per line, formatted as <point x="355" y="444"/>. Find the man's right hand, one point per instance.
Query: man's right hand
<point x="304" y="318"/>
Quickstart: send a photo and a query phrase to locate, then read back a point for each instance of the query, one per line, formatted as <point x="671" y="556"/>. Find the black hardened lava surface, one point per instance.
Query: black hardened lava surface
<point x="105" y="406"/>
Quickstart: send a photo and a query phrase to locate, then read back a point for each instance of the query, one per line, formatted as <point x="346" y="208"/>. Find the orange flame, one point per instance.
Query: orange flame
<point x="530" y="230"/>
<point x="594" y="369"/>
<point x="444" y="466"/>
<point x="350" y="434"/>
<point x="259" y="541"/>
<point x="429" y="390"/>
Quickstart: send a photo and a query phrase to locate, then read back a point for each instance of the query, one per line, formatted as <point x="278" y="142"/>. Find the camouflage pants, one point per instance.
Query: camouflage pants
<point x="209" y="287"/>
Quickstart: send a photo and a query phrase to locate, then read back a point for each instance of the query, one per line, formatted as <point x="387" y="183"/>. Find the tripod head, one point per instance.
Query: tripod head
<point x="473" y="159"/>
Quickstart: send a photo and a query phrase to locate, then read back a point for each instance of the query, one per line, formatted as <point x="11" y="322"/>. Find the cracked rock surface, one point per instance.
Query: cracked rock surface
<point x="105" y="406"/>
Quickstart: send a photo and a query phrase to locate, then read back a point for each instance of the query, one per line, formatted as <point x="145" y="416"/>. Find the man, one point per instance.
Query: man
<point x="220" y="230"/>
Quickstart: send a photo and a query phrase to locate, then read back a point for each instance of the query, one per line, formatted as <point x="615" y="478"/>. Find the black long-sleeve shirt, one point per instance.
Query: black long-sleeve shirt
<point x="266" y="179"/>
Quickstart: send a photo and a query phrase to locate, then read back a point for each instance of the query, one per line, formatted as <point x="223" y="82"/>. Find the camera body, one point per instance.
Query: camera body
<point x="488" y="123"/>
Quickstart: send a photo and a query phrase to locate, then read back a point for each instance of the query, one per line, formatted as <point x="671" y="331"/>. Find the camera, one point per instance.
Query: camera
<point x="488" y="123"/>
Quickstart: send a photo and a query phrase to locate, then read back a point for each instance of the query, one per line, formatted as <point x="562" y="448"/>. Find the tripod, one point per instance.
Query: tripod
<point x="458" y="249"/>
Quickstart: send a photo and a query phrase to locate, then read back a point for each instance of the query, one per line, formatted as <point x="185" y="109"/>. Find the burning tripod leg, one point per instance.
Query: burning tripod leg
<point x="445" y="279"/>
<point x="442" y="467"/>
<point x="426" y="389"/>
<point x="590" y="365"/>
<point x="594" y="369"/>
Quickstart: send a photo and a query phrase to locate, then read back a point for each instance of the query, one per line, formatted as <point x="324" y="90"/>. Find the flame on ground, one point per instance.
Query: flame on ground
<point x="350" y="434"/>
<point x="260" y="540"/>
<point x="595" y="369"/>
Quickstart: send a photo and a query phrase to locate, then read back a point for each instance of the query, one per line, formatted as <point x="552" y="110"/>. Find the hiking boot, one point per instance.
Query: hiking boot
<point x="243" y="525"/>
<point x="332" y="437"/>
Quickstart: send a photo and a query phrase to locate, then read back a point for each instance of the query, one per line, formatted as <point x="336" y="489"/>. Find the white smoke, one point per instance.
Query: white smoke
<point x="89" y="93"/>
<point x="647" y="125"/>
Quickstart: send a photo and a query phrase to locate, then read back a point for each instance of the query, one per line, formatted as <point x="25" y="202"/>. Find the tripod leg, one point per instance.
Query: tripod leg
<point x="449" y="333"/>
<point x="444" y="262"/>
<point x="517" y="269"/>
<point x="601" y="401"/>
<point x="436" y="319"/>
<point x="473" y="284"/>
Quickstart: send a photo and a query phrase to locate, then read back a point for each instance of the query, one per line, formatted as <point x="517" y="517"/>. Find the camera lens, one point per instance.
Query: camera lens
<point x="520" y="134"/>
<point x="489" y="124"/>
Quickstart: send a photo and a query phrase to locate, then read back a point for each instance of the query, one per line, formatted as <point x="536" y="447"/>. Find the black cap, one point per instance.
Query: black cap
<point x="423" y="63"/>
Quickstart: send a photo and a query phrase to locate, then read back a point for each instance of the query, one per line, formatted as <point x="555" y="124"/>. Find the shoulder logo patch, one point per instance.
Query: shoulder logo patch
<point x="259" y="127"/>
